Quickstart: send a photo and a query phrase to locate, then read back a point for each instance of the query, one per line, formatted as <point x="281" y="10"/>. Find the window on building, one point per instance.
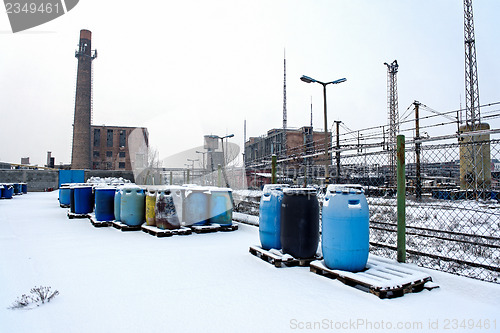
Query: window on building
<point x="109" y="153"/>
<point x="122" y="154"/>
<point x="123" y="137"/>
<point x="109" y="166"/>
<point x="97" y="137"/>
<point x="109" y="138"/>
<point x="96" y="153"/>
<point x="121" y="165"/>
<point x="95" y="165"/>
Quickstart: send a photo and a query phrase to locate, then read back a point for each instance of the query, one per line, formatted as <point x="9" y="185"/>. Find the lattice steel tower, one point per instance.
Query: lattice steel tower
<point x="473" y="115"/>
<point x="393" y="116"/>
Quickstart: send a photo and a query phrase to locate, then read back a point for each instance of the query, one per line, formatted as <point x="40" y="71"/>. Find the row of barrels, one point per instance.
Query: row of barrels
<point x="167" y="207"/>
<point x="289" y="221"/>
<point x="8" y="190"/>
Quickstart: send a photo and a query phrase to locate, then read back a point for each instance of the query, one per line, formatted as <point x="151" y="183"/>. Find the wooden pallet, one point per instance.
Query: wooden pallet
<point x="124" y="227"/>
<point x="225" y="228"/>
<point x="382" y="277"/>
<point x="203" y="229"/>
<point x="279" y="259"/>
<point x="99" y="224"/>
<point x="155" y="231"/>
<point x="77" y="216"/>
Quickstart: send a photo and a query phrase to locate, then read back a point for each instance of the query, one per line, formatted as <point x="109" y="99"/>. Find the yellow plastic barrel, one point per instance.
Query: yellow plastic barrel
<point x="150" y="206"/>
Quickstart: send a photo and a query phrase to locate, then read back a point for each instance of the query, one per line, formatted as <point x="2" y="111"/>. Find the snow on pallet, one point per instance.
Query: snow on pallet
<point x="124" y="227"/>
<point x="155" y="231"/>
<point x="77" y="216"/>
<point x="278" y="259"/>
<point x="382" y="277"/>
<point x="99" y="224"/>
<point x="203" y="229"/>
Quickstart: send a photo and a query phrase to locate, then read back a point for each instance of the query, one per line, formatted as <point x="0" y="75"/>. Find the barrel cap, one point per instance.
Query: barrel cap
<point x="277" y="187"/>
<point x="345" y="188"/>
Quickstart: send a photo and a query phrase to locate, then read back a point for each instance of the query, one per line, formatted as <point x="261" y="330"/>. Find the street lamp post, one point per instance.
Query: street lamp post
<point x="223" y="157"/>
<point x="308" y="79"/>
<point x="192" y="165"/>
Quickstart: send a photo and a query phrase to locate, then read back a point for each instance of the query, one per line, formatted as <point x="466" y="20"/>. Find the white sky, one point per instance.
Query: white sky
<point x="185" y="69"/>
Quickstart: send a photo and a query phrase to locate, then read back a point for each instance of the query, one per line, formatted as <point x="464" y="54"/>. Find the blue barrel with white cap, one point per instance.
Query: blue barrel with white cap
<point x="345" y="228"/>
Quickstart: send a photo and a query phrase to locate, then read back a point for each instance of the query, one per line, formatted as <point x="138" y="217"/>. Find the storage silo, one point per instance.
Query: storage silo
<point x="475" y="158"/>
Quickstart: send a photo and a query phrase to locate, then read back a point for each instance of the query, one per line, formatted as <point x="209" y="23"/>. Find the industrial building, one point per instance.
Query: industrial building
<point x="101" y="147"/>
<point x="289" y="143"/>
<point x="119" y="148"/>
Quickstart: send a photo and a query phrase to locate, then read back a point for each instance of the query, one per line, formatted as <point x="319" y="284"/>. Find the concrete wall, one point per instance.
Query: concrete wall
<point x="41" y="180"/>
<point x="37" y="180"/>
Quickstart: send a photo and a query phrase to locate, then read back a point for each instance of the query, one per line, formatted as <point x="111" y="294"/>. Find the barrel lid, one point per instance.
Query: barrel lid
<point x="300" y="190"/>
<point x="274" y="187"/>
<point x="345" y="188"/>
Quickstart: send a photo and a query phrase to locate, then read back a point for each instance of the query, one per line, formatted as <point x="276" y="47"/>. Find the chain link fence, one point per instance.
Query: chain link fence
<point x="452" y="190"/>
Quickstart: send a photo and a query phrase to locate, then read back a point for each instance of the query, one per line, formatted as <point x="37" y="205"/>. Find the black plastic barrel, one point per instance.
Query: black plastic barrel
<point x="300" y="222"/>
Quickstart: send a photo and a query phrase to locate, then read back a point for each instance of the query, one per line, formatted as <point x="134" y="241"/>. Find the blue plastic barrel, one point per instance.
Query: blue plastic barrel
<point x="196" y="206"/>
<point x="300" y="222"/>
<point x="24" y="188"/>
<point x="104" y="203"/>
<point x="84" y="200"/>
<point x="1" y="191"/>
<point x="345" y="228"/>
<point x="270" y="216"/>
<point x="17" y="188"/>
<point x="221" y="206"/>
<point x="8" y="191"/>
<point x="117" y="203"/>
<point x="65" y="195"/>
<point x="132" y="206"/>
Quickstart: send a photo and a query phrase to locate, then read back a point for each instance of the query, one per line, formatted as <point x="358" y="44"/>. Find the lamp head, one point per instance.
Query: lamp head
<point x="307" y="79"/>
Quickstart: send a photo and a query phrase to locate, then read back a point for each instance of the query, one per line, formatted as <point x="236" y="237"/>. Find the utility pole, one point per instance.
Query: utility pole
<point x="418" y="179"/>
<point x="338" y="122"/>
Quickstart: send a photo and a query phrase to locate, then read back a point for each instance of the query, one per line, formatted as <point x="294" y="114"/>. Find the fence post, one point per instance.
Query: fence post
<point x="401" y="198"/>
<point x="273" y="169"/>
<point x="219" y="172"/>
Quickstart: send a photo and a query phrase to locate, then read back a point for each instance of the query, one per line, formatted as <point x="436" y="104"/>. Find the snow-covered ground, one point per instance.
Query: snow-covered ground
<point x="113" y="281"/>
